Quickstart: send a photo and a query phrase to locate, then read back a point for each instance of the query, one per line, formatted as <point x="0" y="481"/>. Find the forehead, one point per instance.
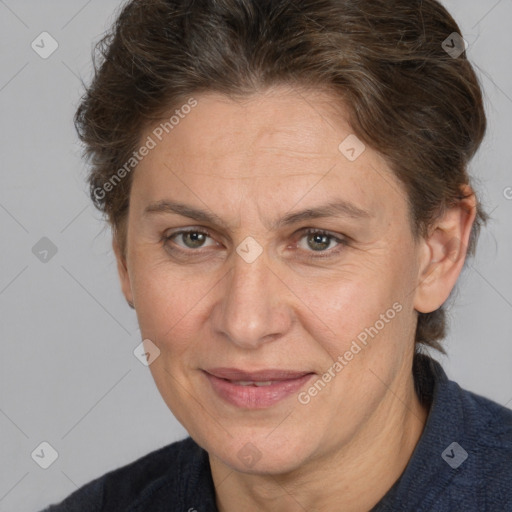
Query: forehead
<point x="280" y="122"/>
<point x="281" y="146"/>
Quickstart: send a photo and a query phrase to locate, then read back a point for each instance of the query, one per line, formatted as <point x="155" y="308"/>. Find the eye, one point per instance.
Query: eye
<point x="191" y="238"/>
<point x="311" y="241"/>
<point x="320" y="241"/>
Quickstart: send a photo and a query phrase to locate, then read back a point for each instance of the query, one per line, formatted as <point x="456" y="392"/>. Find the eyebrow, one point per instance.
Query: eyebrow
<point x="338" y="208"/>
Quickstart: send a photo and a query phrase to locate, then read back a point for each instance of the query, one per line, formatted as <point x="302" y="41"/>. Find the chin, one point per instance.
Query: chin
<point x="262" y="454"/>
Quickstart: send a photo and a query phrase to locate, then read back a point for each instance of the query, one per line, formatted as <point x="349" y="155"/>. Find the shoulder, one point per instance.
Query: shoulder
<point x="486" y="424"/>
<point x="463" y="460"/>
<point x="481" y="422"/>
<point x="127" y="487"/>
<point x="488" y="432"/>
<point x="477" y="457"/>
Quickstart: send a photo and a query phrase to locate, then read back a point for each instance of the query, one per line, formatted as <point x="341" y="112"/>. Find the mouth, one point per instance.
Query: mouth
<point x="255" y="390"/>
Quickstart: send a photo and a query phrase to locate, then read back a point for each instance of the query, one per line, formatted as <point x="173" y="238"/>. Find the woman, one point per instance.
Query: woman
<point x="288" y="191"/>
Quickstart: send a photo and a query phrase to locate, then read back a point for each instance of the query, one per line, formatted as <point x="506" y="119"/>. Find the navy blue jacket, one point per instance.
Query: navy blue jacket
<point x="462" y="463"/>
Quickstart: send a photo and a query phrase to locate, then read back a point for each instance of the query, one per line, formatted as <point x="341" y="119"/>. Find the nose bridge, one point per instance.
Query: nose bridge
<point x="252" y="307"/>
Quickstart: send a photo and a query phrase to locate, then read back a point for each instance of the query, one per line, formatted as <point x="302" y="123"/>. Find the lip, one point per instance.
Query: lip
<point x="284" y="383"/>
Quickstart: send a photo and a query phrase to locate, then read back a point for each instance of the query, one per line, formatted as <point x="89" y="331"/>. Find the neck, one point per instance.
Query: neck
<point x="356" y="476"/>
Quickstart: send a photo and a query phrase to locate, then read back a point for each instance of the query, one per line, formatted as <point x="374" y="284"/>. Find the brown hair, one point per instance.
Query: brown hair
<point x="407" y="98"/>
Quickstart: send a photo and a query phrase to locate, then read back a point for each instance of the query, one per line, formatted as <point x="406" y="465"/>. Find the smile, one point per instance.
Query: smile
<point x="255" y="390"/>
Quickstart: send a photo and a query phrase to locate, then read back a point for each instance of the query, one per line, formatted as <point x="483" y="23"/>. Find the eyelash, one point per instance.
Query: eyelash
<point x="306" y="231"/>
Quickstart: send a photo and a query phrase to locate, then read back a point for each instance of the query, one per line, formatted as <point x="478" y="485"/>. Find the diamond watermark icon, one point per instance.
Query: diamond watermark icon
<point x="44" y="250"/>
<point x="454" y="455"/>
<point x="249" y="250"/>
<point x="352" y="148"/>
<point x="146" y="352"/>
<point x="454" y="45"/>
<point x="44" y="45"/>
<point x="44" y="455"/>
<point x="249" y="454"/>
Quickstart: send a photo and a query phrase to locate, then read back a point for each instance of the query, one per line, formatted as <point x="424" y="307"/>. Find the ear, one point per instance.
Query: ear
<point x="122" y="269"/>
<point x="444" y="253"/>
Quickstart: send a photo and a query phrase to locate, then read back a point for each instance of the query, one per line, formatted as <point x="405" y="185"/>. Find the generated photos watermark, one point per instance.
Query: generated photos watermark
<point x="151" y="142"/>
<point x="304" y="397"/>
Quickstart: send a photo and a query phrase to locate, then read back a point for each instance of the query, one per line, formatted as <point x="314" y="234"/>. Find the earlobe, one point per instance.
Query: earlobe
<point x="445" y="251"/>
<point x="122" y="270"/>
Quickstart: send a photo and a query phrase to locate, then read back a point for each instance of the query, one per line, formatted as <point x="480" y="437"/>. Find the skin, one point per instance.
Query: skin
<point x="252" y="162"/>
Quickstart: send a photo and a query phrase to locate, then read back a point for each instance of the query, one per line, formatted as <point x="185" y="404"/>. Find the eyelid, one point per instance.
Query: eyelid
<point x="193" y="229"/>
<point x="310" y="231"/>
<point x="341" y="240"/>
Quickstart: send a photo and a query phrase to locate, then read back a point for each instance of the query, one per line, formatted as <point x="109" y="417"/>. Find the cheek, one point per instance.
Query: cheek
<point x="346" y="303"/>
<point x="362" y="315"/>
<point x="174" y="304"/>
<point x="166" y="304"/>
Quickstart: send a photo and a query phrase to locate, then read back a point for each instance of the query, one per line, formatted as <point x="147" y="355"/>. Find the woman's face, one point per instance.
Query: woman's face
<point x="234" y="288"/>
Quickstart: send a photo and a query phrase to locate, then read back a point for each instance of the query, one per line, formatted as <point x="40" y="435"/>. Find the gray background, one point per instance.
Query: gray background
<point x="67" y="372"/>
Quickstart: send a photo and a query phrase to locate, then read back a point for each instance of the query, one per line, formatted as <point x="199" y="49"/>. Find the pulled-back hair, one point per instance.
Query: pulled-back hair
<point x="407" y="97"/>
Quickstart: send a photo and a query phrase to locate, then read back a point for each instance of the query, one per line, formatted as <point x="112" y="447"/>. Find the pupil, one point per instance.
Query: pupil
<point x="320" y="239"/>
<point x="196" y="238"/>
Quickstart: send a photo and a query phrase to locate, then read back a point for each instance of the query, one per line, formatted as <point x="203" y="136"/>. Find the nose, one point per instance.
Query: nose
<point x="253" y="307"/>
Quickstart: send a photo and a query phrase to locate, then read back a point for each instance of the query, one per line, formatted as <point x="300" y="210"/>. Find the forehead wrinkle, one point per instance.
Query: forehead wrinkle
<point x="337" y="208"/>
